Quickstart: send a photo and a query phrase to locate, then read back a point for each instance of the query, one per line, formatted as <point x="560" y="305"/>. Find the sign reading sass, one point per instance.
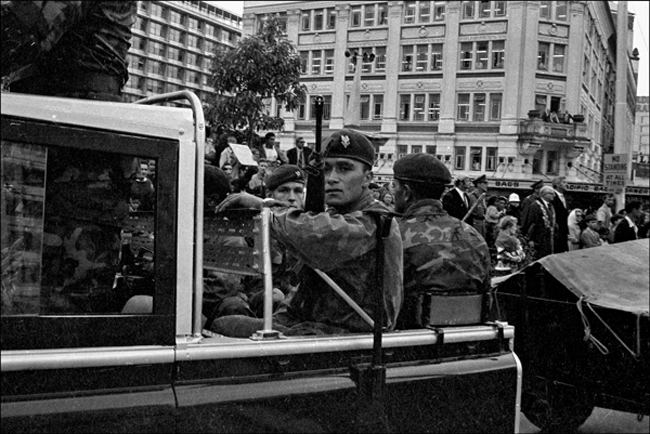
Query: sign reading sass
<point x="615" y="173"/>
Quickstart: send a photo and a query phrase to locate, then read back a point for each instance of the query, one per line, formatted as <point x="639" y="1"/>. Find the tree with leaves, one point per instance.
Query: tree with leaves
<point x="262" y="66"/>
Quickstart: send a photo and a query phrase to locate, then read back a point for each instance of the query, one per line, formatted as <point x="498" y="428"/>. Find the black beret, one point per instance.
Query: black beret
<point x="537" y="184"/>
<point x="349" y="144"/>
<point x="216" y="182"/>
<point x="480" y="179"/>
<point x="373" y="186"/>
<point x="283" y="174"/>
<point x="425" y="168"/>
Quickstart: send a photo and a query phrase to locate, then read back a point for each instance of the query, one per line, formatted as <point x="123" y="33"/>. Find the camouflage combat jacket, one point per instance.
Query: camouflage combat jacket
<point x="441" y="253"/>
<point x="343" y="246"/>
<point x="66" y="38"/>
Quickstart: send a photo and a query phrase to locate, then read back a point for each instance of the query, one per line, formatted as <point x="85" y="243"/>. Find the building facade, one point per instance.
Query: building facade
<point x="641" y="147"/>
<point x="473" y="82"/>
<point x="172" y="45"/>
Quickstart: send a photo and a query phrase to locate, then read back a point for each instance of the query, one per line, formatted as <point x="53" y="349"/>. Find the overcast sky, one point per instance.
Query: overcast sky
<point x="641" y="26"/>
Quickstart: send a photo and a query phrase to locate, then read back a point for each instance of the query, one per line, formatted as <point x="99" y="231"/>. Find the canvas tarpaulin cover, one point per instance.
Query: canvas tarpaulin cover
<point x="614" y="276"/>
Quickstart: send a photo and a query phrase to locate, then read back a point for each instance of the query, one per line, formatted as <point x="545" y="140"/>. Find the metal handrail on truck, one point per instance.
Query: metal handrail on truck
<point x="199" y="135"/>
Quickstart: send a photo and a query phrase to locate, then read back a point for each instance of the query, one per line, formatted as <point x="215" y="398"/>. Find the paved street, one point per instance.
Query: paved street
<point x="602" y="420"/>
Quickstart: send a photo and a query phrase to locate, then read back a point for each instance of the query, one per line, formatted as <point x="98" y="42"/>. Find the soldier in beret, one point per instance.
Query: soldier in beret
<point x="340" y="241"/>
<point x="442" y="255"/>
<point x="287" y="184"/>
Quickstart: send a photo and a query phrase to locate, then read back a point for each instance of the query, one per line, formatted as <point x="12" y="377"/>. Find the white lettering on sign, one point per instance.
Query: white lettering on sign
<point x="615" y="173"/>
<point x="506" y="184"/>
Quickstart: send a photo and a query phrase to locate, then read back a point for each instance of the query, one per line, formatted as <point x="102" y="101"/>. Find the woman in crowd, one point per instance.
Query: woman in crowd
<point x="510" y="253"/>
<point x="388" y="199"/>
<point x="574" y="222"/>
<point x="495" y="210"/>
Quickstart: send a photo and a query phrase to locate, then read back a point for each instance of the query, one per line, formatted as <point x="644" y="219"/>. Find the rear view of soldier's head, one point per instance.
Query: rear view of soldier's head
<point x="418" y="176"/>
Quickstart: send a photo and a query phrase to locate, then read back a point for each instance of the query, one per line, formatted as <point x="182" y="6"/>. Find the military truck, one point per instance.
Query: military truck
<point x="102" y="286"/>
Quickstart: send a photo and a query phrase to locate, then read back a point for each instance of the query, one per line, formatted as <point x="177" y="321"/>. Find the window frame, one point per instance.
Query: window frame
<point x="460" y="153"/>
<point x="476" y="157"/>
<point x="76" y="331"/>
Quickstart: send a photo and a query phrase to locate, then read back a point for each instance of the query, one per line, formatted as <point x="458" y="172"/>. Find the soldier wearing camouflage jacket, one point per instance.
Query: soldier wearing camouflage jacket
<point x="341" y="242"/>
<point x="442" y="255"/>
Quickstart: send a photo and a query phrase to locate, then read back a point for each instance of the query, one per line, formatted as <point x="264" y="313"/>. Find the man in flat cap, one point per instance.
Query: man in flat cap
<point x="340" y="241"/>
<point x="478" y="215"/>
<point x="442" y="255"/>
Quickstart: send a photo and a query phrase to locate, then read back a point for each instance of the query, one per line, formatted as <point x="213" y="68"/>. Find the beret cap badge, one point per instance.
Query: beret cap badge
<point x="345" y="141"/>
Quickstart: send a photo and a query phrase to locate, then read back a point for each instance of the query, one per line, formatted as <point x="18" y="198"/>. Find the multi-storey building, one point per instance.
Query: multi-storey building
<point x="641" y="146"/>
<point x="468" y="81"/>
<point x="172" y="43"/>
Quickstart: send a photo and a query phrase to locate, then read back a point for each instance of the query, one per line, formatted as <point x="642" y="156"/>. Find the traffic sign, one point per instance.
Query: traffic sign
<point x="615" y="173"/>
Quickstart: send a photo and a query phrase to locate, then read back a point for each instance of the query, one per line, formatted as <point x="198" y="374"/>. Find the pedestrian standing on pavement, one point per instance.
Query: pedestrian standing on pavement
<point x="478" y="215"/>
<point x="514" y="208"/>
<point x="442" y="255"/>
<point x="495" y="210"/>
<point x="270" y="150"/>
<point x="540" y="226"/>
<point x="530" y="199"/>
<point x="561" y="214"/>
<point x="574" y="225"/>
<point x="604" y="213"/>
<point x="456" y="201"/>
<point x="300" y="154"/>
<point x="72" y="49"/>
<point x="627" y="229"/>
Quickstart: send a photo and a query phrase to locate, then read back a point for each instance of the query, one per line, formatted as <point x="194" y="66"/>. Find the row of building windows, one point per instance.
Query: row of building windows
<point x="214" y="12"/>
<point x="418" y="107"/>
<point x="550" y="57"/>
<point x="171" y="72"/>
<point x="318" y="19"/>
<point x="171" y="34"/>
<point x="185" y="20"/>
<point x="479" y="55"/>
<point x="482" y="55"/>
<point x="421" y="12"/>
<point x="167" y="68"/>
<point x="553" y="10"/>
<point x="477" y="158"/>
<point x="483" y="9"/>
<point x="169" y="52"/>
<point x="152" y="85"/>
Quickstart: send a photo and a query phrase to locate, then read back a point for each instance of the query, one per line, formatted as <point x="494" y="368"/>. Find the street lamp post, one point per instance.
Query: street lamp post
<point x="353" y="115"/>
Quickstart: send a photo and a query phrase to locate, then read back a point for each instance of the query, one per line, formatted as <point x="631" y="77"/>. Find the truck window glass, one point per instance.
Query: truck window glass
<point x="78" y="230"/>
